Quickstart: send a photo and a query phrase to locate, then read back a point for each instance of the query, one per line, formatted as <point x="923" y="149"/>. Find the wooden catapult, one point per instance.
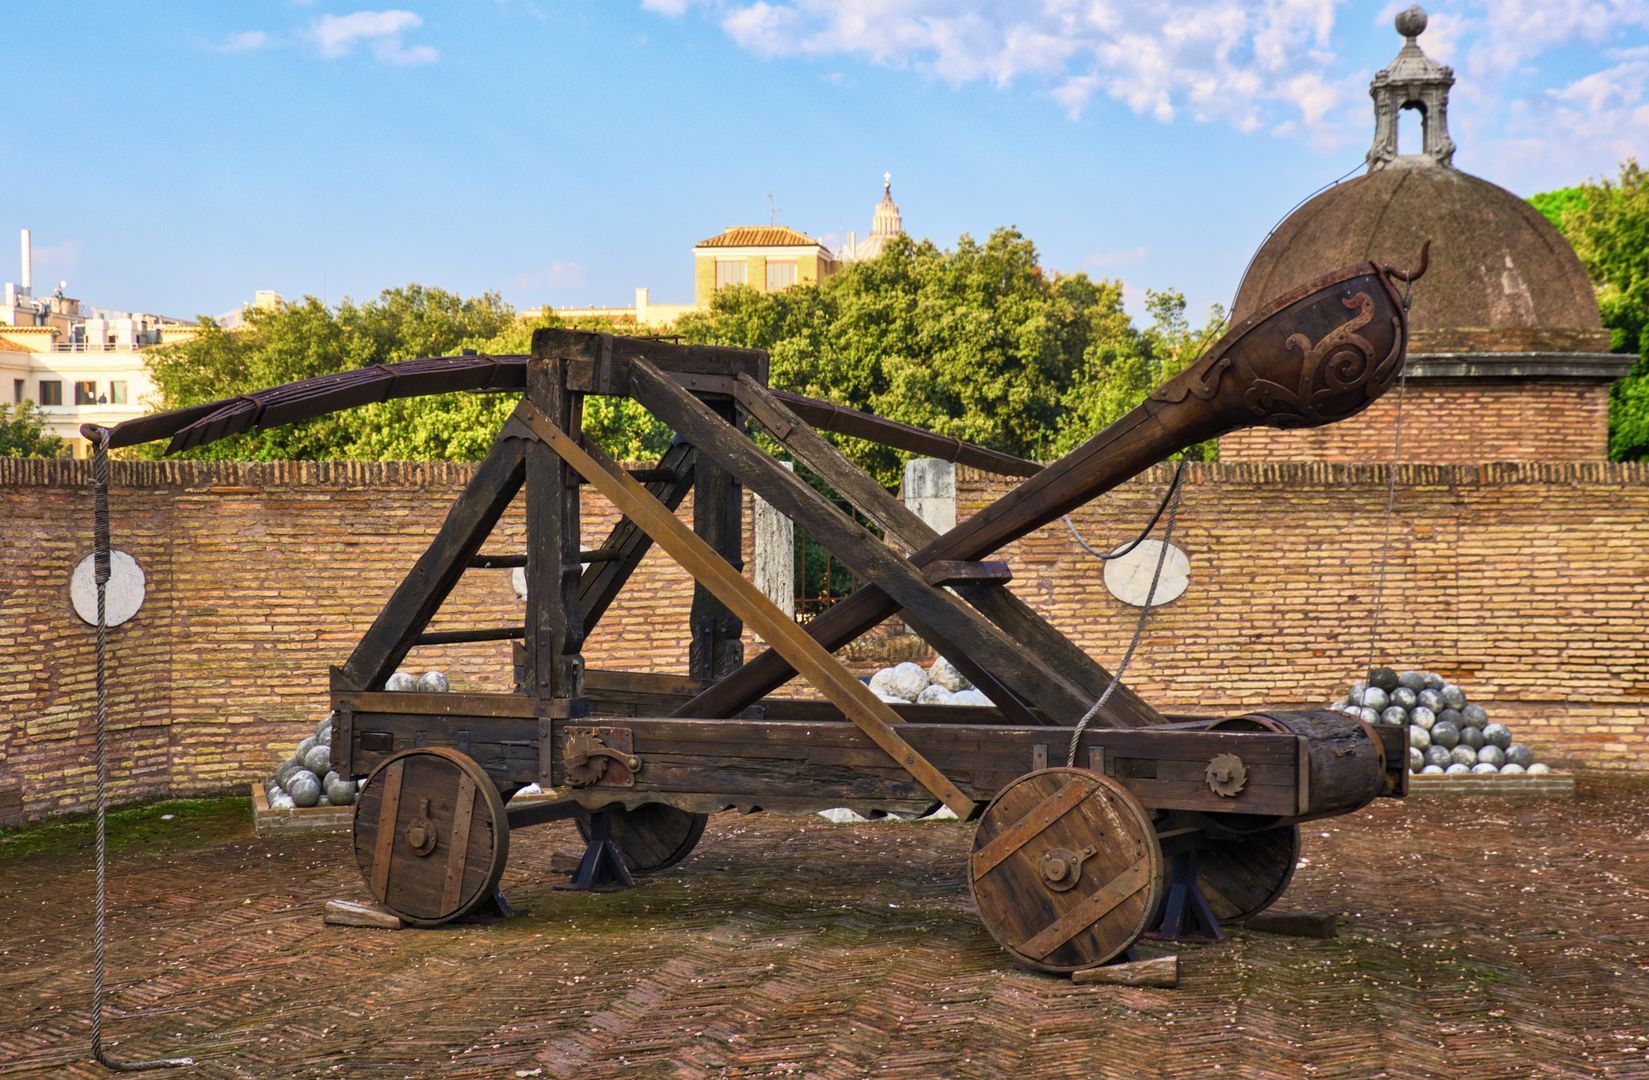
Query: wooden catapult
<point x="1164" y="824"/>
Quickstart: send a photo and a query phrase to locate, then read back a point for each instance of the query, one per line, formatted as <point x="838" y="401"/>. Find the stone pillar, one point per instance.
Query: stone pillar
<point x="775" y="569"/>
<point x="930" y="491"/>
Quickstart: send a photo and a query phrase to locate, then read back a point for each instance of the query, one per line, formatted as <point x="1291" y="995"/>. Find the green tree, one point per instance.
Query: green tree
<point x="23" y="433"/>
<point x="1608" y="224"/>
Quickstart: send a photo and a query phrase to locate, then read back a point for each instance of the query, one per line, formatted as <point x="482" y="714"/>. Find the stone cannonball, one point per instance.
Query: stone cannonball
<point x="1438" y="756"/>
<point x="281" y="801"/>
<point x="1484" y="768"/>
<point x="1491" y="755"/>
<point x="1539" y="768"/>
<point x="1351" y="710"/>
<point x="305" y="788"/>
<point x="1422" y="716"/>
<point x="323" y="800"/>
<point x="1434" y="681"/>
<point x="1394" y="714"/>
<point x="1472" y="737"/>
<point x="318" y="760"/>
<point x="1432" y="770"/>
<point x="339" y="791"/>
<point x="433" y="682"/>
<point x="401" y="681"/>
<point x="1366" y="714"/>
<point x="286" y="769"/>
<point x="1497" y="735"/>
<point x="1445" y="735"/>
<point x="1384" y="678"/>
<point x="1457" y="768"/>
<point x="323" y="730"/>
<point x="1463" y="755"/>
<point x="304" y="747"/>
<point x="1419" y="736"/>
<point x="1431" y="699"/>
<point x="1511" y="768"/>
<point x="1356" y="691"/>
<point x="1417" y="760"/>
<point x="1518" y="754"/>
<point x="1453" y="696"/>
<point x="1376" y="698"/>
<point x="1452" y="716"/>
<point x="1405" y="697"/>
<point x="1476" y="715"/>
<point x="1412" y="680"/>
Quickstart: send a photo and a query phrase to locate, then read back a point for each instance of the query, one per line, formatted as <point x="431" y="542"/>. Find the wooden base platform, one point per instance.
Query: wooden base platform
<point x="319" y="819"/>
<point x="1550" y="786"/>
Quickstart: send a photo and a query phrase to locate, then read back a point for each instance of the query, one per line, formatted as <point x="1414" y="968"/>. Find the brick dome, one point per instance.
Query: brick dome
<point x="1501" y="277"/>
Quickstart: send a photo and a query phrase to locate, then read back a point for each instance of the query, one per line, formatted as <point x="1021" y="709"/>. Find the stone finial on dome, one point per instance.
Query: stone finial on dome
<point x="1415" y="81"/>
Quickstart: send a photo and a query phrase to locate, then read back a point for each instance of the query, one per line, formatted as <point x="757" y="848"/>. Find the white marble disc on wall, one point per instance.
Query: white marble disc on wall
<point x="518" y="579"/>
<point x="1129" y="578"/>
<point x="123" y="596"/>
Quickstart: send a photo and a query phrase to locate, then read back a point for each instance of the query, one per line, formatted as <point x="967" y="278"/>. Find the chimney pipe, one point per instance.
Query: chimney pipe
<point x="28" y="263"/>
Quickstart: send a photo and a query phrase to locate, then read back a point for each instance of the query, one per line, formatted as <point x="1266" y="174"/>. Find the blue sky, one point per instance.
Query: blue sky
<point x="174" y="157"/>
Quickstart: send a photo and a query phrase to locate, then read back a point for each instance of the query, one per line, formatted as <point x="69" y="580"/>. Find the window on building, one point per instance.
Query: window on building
<point x="17" y="390"/>
<point x="117" y="392"/>
<point x="781" y="274"/>
<point x="85" y="393"/>
<point x="731" y="272"/>
<point x="51" y="392"/>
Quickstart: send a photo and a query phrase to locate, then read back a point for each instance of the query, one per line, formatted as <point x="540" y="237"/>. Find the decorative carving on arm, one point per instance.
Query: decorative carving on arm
<point x="1350" y="375"/>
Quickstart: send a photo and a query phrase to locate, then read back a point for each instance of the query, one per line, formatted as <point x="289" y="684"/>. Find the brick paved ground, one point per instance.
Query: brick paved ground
<point x="1484" y="938"/>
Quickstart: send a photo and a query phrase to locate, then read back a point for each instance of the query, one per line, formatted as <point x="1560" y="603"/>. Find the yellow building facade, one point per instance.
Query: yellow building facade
<point x="767" y="258"/>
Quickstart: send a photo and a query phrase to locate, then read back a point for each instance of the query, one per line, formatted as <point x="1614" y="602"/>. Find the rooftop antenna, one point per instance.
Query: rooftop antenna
<point x="772" y="210"/>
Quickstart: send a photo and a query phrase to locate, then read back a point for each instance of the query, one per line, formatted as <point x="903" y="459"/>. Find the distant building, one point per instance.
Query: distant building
<point x="79" y="365"/>
<point x="884" y="226"/>
<point x="768" y="258"/>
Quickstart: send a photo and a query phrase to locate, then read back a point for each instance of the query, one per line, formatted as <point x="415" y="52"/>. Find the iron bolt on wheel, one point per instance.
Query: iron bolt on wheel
<point x="1066" y="870"/>
<point x="431" y="835"/>
<point x="653" y="836"/>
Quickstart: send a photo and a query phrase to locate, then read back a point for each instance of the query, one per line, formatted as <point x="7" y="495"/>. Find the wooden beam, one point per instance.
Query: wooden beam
<point x="432" y="578"/>
<point x="555" y="625"/>
<point x="716" y="636"/>
<point x="854" y="698"/>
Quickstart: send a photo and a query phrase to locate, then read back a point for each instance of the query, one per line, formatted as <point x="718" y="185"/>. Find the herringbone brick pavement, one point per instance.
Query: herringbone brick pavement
<point x="1483" y="939"/>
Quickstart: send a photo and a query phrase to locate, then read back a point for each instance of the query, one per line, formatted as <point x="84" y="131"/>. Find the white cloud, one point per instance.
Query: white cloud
<point x="564" y="274"/>
<point x="337" y="36"/>
<point x="1114" y="260"/>
<point x="244" y="42"/>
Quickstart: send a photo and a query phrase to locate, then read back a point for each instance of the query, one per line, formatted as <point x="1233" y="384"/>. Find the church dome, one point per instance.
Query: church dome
<point x="1501" y="278"/>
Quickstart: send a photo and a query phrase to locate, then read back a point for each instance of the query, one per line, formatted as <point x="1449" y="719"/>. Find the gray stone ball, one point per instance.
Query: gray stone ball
<point x="1417" y="760"/>
<point x="1445" y="735"/>
<point x="1431" y="699"/>
<point x="1492" y="755"/>
<point x="305" y="788"/>
<point x="1476" y="715"/>
<point x="281" y="801"/>
<point x="1453" y="696"/>
<point x="1368" y="715"/>
<point x="1412" y="680"/>
<point x="1457" y="768"/>
<point x="1434" y="681"/>
<point x="1511" y="768"/>
<point x="318" y="760"/>
<point x="1375" y="698"/>
<point x="1394" y="714"/>
<point x="1438" y="756"/>
<point x="284" y="772"/>
<point x="401" y="681"/>
<point x="323" y="800"/>
<point x="1472" y="737"/>
<point x="1484" y="768"/>
<point x="1383" y="677"/>
<point x="1352" y="710"/>
<point x="1422" y="716"/>
<point x="1419" y="736"/>
<point x="1411" y="21"/>
<point x="1539" y="768"/>
<point x="1497" y="735"/>
<point x="1405" y="697"/>
<point x="304" y="747"/>
<point x="1432" y="770"/>
<point x="341" y="792"/>
<point x="1452" y="716"/>
<point x="1463" y="755"/>
<point x="1518" y="754"/>
<point x="1356" y="691"/>
<point x="433" y="682"/>
<point x="323" y="730"/>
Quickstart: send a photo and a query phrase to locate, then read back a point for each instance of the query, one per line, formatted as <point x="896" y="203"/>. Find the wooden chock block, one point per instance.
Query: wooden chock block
<point x="1157" y="971"/>
<point x="349" y="913"/>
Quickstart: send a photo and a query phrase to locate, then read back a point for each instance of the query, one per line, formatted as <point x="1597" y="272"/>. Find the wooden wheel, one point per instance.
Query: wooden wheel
<point x="653" y="836"/>
<point x="431" y="835"/>
<point x="1243" y="875"/>
<point x="1066" y="870"/>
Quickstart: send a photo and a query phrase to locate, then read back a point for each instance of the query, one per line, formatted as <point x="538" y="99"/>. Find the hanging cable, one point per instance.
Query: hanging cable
<point x="1391" y="500"/>
<point x="100" y="574"/>
<point x="1173" y="487"/>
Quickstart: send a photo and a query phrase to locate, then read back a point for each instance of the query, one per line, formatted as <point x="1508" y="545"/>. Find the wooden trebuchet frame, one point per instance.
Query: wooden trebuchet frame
<point x="655" y="753"/>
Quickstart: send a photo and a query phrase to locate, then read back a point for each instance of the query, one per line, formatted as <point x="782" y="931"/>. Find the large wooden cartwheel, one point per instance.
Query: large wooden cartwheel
<point x="431" y="835"/>
<point x="1243" y="875"/>
<point x="1066" y="869"/>
<point x="653" y="836"/>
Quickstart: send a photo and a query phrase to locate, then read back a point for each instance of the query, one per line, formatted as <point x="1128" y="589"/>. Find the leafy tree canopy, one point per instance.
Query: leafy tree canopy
<point x="23" y="433"/>
<point x="1608" y="224"/>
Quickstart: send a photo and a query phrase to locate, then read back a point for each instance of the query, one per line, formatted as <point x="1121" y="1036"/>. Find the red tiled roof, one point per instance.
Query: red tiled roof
<point x="759" y="236"/>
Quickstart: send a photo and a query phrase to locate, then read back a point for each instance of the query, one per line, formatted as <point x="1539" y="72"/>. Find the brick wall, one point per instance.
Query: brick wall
<point x="1527" y="582"/>
<point x="1452" y="421"/>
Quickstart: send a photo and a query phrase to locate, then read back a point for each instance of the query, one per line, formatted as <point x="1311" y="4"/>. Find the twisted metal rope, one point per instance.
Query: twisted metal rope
<point x="1173" y="501"/>
<point x="1138" y="540"/>
<point x="101" y="573"/>
<point x="1391" y="507"/>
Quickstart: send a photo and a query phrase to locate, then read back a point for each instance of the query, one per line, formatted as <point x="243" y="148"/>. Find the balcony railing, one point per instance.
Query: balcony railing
<point x="100" y="346"/>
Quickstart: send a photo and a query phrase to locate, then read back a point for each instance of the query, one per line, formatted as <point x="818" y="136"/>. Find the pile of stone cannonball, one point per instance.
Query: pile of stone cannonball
<point x="306" y="778"/>
<point x="1447" y="734"/>
<point x="940" y="684"/>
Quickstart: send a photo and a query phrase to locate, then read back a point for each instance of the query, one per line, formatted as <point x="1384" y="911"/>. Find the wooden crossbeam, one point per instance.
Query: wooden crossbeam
<point x="824" y="671"/>
<point x="601" y="582"/>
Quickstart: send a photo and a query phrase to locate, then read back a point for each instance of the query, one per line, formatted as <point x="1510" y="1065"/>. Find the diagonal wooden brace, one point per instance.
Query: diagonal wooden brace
<point x="868" y="712"/>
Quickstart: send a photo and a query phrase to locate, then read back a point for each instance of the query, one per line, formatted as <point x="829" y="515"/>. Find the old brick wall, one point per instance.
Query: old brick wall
<point x="1528" y="582"/>
<point x="1466" y="422"/>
